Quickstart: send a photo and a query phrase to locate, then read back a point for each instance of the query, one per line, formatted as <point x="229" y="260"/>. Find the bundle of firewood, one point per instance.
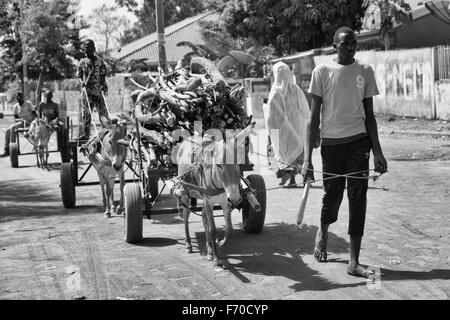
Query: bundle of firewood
<point x="180" y="98"/>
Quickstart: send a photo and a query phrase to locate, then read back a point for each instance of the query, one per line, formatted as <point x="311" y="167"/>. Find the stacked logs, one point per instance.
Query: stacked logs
<point x="178" y="99"/>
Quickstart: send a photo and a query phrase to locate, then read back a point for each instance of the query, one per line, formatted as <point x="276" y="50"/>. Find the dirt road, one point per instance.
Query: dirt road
<point x="49" y="252"/>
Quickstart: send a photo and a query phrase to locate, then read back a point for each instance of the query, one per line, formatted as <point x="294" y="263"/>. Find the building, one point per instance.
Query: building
<point x="147" y="47"/>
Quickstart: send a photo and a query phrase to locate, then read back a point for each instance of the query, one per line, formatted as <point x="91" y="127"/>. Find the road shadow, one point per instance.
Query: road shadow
<point x="21" y="199"/>
<point x="55" y="166"/>
<point x="277" y="252"/>
<point x="395" y="275"/>
<point x="25" y="191"/>
<point x="157" y="242"/>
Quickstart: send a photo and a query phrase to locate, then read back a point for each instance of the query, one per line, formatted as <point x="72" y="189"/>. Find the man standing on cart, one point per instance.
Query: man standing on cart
<point x="92" y="72"/>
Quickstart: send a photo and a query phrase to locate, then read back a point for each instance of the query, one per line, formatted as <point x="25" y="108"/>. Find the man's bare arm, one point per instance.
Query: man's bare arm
<point x="312" y="133"/>
<point x="372" y="130"/>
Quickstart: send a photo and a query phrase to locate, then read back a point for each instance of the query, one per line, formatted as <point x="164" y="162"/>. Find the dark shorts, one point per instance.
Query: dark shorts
<point x="345" y="159"/>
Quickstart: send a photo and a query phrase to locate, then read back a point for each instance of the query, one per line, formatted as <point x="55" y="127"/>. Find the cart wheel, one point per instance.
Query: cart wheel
<point x="65" y="154"/>
<point x="254" y="221"/>
<point x="63" y="140"/>
<point x="14" y="154"/>
<point x="133" y="213"/>
<point x="67" y="185"/>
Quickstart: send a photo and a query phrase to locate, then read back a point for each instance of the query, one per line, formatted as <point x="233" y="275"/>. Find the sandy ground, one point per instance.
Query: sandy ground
<point x="49" y="252"/>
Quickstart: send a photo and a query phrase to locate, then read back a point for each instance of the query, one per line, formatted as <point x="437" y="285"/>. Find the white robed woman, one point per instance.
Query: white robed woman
<point x="288" y="112"/>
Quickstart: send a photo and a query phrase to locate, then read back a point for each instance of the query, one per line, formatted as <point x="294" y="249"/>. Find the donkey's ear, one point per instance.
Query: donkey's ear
<point x="244" y="133"/>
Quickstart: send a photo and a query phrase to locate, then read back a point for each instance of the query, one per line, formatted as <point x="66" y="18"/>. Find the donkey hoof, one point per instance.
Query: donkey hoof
<point x="107" y="214"/>
<point x="113" y="210"/>
<point x="188" y="250"/>
<point x="209" y="257"/>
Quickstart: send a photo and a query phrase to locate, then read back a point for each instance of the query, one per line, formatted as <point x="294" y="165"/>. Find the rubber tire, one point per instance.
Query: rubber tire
<point x="133" y="213"/>
<point x="14" y="154"/>
<point x="152" y="188"/>
<point x="68" y="193"/>
<point x="65" y="154"/>
<point x="252" y="221"/>
<point x="63" y="146"/>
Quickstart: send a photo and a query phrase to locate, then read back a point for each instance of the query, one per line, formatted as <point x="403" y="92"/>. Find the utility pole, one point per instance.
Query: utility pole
<point x="24" y="55"/>
<point x="162" y="59"/>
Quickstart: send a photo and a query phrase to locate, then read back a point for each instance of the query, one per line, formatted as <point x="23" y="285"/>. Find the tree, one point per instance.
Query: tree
<point x="216" y="37"/>
<point x="289" y="25"/>
<point x="383" y="15"/>
<point x="174" y="11"/>
<point x="391" y="11"/>
<point x="108" y="25"/>
<point x="10" y="42"/>
<point x="49" y="50"/>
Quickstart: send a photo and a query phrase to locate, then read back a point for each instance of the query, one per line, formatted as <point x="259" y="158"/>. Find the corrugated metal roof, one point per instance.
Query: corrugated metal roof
<point x="147" y="47"/>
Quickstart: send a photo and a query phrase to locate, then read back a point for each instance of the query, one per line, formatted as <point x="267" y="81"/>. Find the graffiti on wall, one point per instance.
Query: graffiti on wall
<point x="404" y="74"/>
<point x="408" y="80"/>
<point x="405" y="80"/>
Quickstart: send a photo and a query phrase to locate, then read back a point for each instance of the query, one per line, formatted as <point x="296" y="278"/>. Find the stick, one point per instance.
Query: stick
<point x="301" y="211"/>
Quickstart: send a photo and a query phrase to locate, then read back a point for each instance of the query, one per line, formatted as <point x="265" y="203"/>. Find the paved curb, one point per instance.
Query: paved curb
<point x="416" y="133"/>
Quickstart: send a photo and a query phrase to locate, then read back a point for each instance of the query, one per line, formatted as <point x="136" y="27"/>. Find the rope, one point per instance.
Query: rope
<point x="333" y="175"/>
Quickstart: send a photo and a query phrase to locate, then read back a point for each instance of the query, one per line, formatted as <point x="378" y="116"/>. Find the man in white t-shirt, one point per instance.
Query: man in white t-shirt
<point x="24" y="114"/>
<point x="342" y="104"/>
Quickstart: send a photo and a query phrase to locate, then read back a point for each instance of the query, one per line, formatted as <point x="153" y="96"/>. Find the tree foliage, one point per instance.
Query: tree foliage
<point x="384" y="15"/>
<point x="174" y="11"/>
<point x="10" y="42"/>
<point x="289" y="25"/>
<point x="50" y="41"/>
<point x="48" y="50"/>
<point x="216" y="37"/>
<point x="108" y="25"/>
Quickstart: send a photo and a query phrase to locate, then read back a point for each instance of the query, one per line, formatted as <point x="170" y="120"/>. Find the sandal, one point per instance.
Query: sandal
<point x="320" y="256"/>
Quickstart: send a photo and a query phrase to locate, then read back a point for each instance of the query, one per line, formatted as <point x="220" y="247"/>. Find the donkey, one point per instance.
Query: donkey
<point x="39" y="135"/>
<point x="206" y="174"/>
<point x="108" y="159"/>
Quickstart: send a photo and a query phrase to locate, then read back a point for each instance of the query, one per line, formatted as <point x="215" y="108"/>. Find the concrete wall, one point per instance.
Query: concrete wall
<point x="118" y="99"/>
<point x="405" y="79"/>
<point x="442" y="94"/>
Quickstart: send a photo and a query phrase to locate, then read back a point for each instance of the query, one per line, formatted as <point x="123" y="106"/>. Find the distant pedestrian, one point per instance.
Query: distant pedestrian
<point x="92" y="72"/>
<point x="24" y="114"/>
<point x="342" y="103"/>
<point x="288" y="112"/>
